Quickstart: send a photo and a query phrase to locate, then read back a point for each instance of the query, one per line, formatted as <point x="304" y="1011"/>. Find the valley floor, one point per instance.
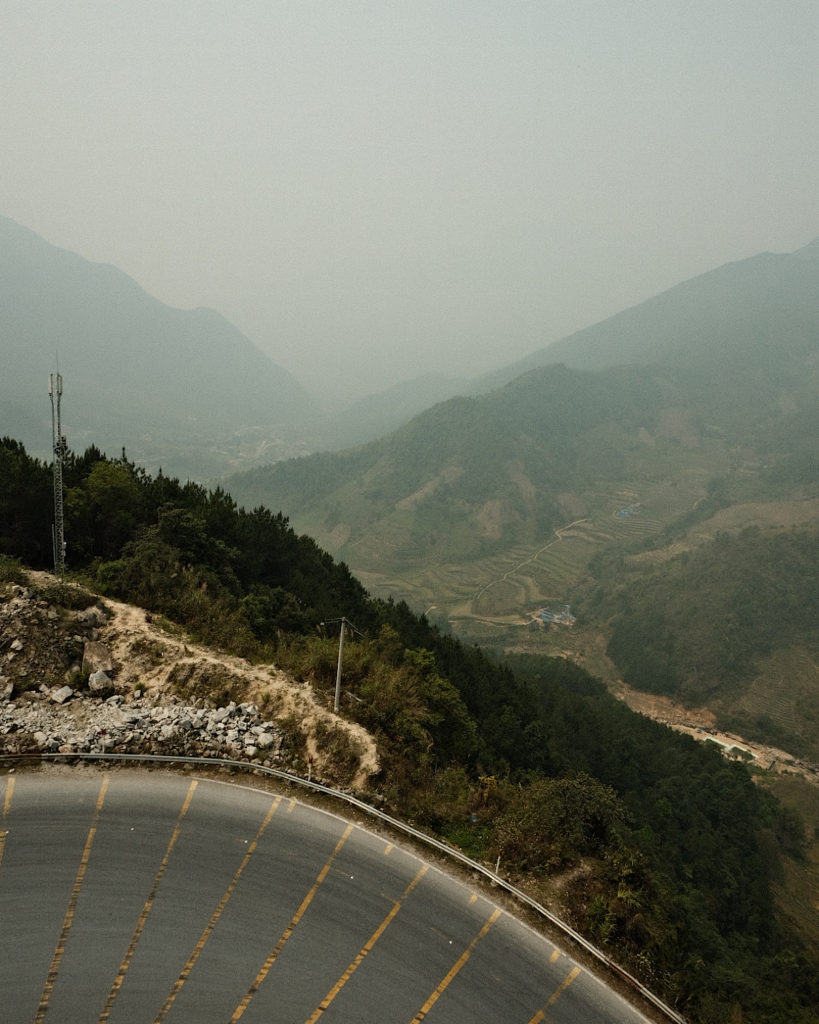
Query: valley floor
<point x="701" y="724"/>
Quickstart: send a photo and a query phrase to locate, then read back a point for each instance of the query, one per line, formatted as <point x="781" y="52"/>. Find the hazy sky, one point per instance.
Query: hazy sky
<point x="370" y="189"/>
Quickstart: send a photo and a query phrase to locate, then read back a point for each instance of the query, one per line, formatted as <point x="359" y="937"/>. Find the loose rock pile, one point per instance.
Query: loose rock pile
<point x="60" y="721"/>
<point x="45" y="651"/>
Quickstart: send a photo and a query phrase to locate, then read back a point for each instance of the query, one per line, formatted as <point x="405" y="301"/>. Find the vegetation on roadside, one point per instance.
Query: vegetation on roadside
<point x="669" y="853"/>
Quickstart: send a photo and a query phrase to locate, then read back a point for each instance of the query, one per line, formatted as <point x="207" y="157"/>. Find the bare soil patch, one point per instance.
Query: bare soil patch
<point x="152" y="656"/>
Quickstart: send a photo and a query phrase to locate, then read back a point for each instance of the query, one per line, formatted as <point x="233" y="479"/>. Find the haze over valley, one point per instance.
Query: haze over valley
<point x="471" y="349"/>
<point x="641" y="500"/>
<point x="560" y="480"/>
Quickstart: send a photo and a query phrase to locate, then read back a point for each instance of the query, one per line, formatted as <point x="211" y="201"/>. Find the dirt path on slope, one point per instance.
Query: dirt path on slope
<point x="153" y="659"/>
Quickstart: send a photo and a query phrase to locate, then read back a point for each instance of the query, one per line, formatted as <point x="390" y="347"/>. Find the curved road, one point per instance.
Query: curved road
<point x="144" y="897"/>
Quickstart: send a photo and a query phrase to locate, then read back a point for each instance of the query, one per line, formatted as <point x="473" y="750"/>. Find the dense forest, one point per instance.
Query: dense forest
<point x="673" y="849"/>
<point x="701" y="627"/>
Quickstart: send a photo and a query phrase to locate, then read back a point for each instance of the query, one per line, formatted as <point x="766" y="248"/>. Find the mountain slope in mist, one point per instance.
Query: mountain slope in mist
<point x="137" y="373"/>
<point x="730" y="359"/>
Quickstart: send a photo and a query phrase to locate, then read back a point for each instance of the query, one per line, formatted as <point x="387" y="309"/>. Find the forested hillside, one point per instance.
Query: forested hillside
<point x="476" y="477"/>
<point x="667" y="852"/>
<point x="708" y="626"/>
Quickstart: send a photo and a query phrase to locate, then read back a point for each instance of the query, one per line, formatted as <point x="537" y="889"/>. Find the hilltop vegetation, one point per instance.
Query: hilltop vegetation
<point x="668" y="852"/>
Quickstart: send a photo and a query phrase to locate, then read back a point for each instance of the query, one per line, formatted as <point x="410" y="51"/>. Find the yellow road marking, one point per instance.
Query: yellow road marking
<point x="200" y="945"/>
<point x="555" y="956"/>
<point x="433" y="999"/>
<point x="7" y="801"/>
<point x="143" y="917"/>
<point x="558" y="992"/>
<point x="376" y="935"/>
<point x="51" y="977"/>
<point x="6" y="807"/>
<point x="305" y="903"/>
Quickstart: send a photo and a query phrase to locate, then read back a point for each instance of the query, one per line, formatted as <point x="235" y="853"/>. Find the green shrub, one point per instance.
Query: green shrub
<point x="11" y="571"/>
<point x="64" y="595"/>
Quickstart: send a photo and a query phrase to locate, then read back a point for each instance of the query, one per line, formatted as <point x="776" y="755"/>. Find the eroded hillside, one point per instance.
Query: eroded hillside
<point x="78" y="673"/>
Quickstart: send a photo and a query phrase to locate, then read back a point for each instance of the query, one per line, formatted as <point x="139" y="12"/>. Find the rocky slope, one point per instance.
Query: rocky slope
<point x="78" y="673"/>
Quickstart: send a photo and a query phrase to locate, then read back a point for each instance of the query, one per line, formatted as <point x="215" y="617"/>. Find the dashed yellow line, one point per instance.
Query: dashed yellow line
<point x="7" y="801"/>
<point x="433" y="999"/>
<point x="305" y="903"/>
<point x="143" y="917"/>
<point x="200" y="945"/>
<point x="51" y="977"/>
<point x="558" y="992"/>
<point x="376" y="935"/>
<point x="6" y="808"/>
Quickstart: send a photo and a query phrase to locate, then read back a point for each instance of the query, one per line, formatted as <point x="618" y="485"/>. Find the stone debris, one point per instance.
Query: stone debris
<point x="104" y="679"/>
<point x="99" y="683"/>
<point x="58" y="693"/>
<point x="68" y="723"/>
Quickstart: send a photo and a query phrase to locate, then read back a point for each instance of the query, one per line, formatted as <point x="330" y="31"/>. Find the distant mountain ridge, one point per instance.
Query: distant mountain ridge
<point x="728" y="359"/>
<point x="740" y="309"/>
<point x="378" y="414"/>
<point x="137" y="373"/>
<point x="611" y="489"/>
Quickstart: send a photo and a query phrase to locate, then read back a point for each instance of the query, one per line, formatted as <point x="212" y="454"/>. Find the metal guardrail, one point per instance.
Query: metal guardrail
<point x="394" y="823"/>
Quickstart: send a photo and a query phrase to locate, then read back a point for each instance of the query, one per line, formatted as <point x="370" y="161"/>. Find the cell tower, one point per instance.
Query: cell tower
<point x="55" y="387"/>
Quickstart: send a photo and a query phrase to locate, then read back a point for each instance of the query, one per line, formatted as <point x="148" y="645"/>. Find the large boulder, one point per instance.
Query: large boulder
<point x="97" y="657"/>
<point x="99" y="683"/>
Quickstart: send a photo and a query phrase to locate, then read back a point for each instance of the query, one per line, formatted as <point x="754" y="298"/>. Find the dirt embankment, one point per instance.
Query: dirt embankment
<point x="147" y="662"/>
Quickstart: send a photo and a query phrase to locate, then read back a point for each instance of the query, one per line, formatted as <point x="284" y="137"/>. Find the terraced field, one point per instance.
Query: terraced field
<point x="503" y="592"/>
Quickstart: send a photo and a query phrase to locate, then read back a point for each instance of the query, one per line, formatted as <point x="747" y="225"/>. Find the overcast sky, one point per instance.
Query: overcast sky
<point x="371" y="189"/>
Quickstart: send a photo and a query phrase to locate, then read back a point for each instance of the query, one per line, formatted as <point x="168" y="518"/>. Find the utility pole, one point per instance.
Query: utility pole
<point x="55" y="387"/>
<point x="340" y="657"/>
<point x="344" y="622"/>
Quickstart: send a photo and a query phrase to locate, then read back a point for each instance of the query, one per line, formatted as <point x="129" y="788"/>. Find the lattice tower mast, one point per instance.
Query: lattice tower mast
<point x="55" y="388"/>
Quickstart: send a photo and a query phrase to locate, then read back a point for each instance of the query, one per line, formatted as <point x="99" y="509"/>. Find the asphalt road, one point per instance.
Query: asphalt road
<point x="144" y="897"/>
